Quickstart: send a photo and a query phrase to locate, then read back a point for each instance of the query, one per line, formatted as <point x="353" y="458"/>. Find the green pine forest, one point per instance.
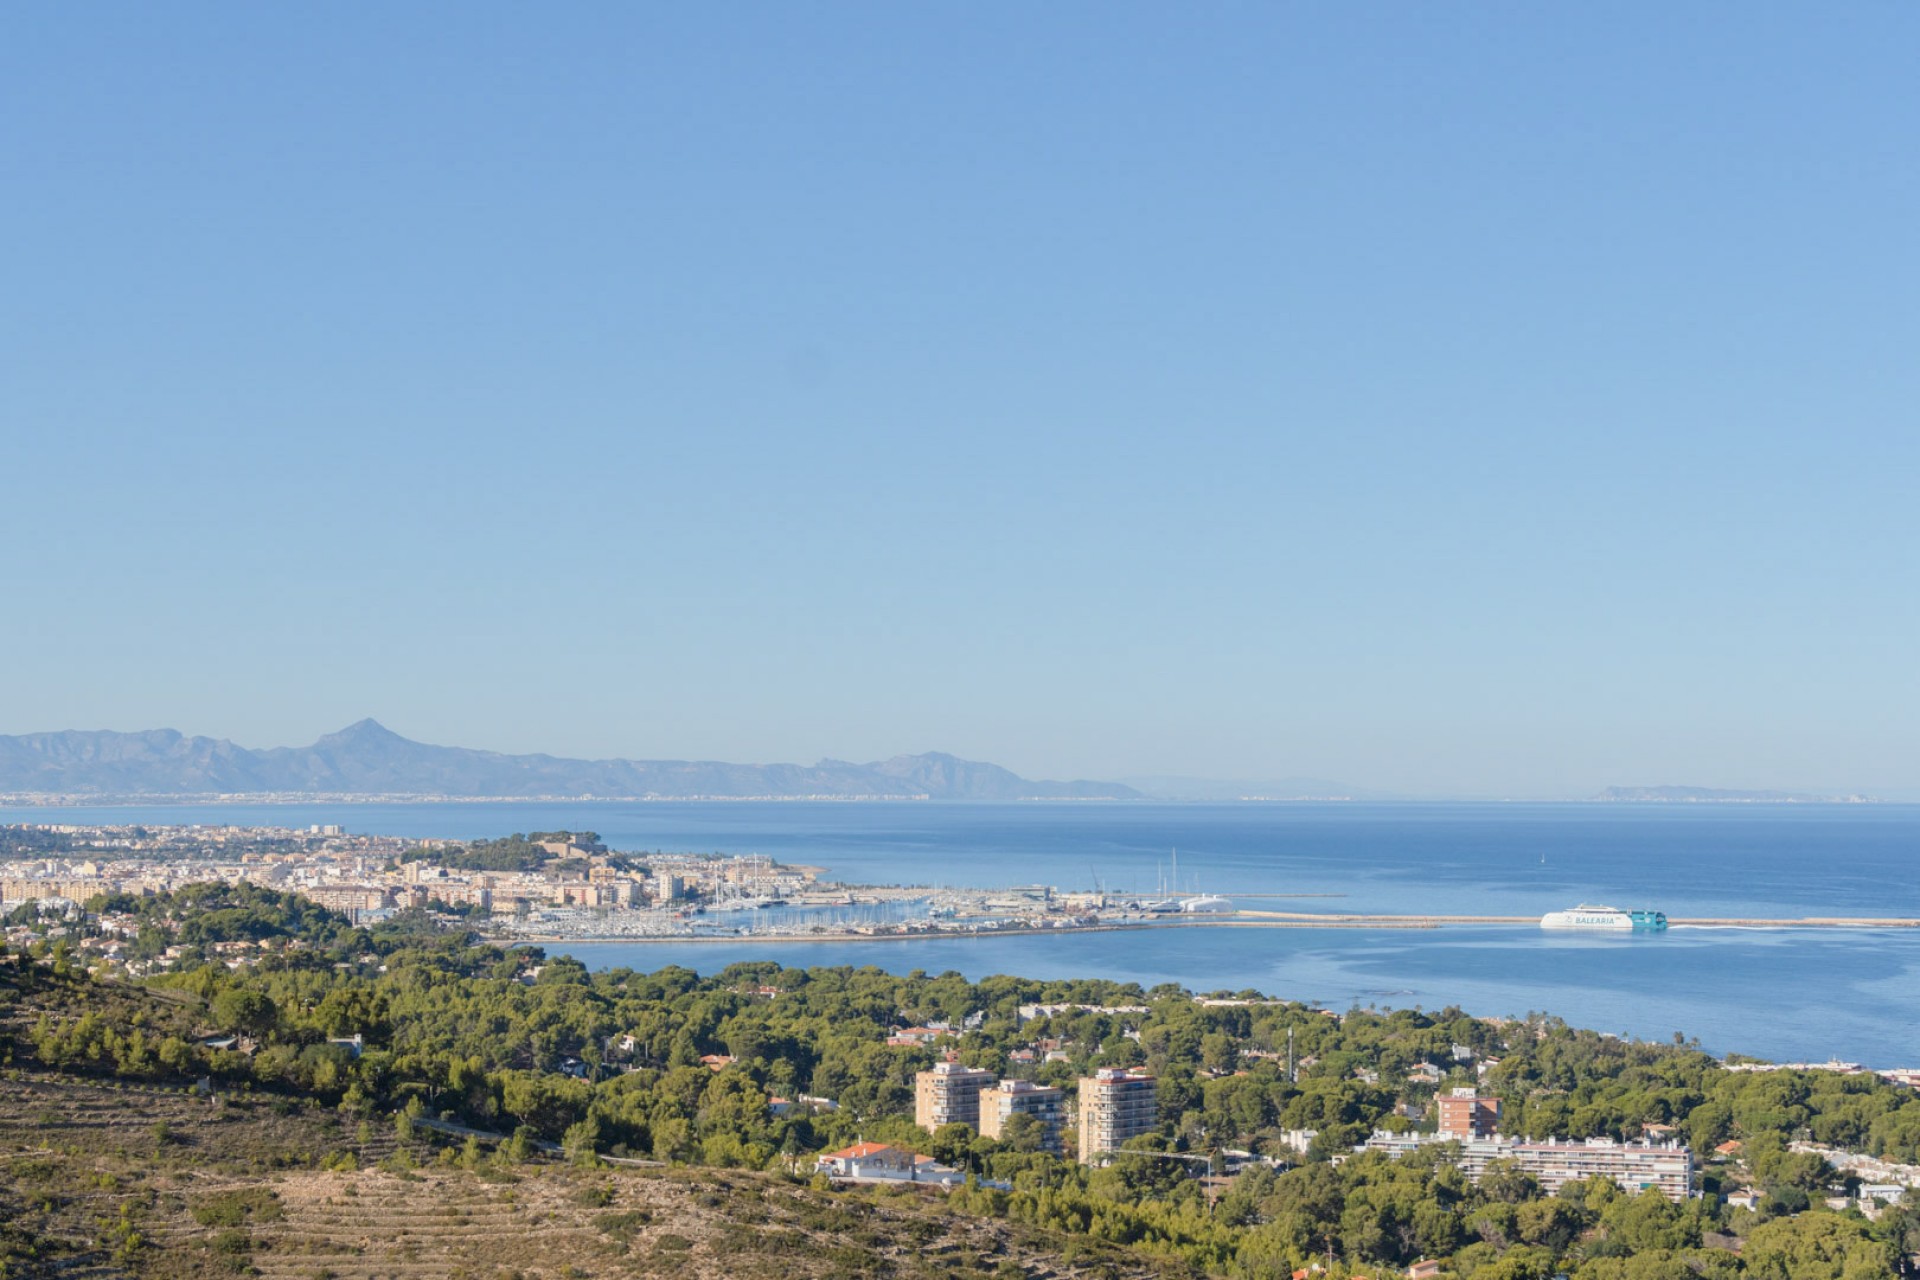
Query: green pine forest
<point x="528" y="1047"/>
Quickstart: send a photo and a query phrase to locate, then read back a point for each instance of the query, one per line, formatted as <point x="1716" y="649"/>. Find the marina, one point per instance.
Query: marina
<point x="1769" y="950"/>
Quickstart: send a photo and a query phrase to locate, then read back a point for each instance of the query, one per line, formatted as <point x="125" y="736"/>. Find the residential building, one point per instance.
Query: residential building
<point x="878" y="1162"/>
<point x="1876" y="1196"/>
<point x="1115" y="1105"/>
<point x="1012" y="1098"/>
<point x="1466" y="1115"/>
<point x="866" y="1160"/>
<point x="1632" y="1166"/>
<point x="1028" y="1012"/>
<point x="74" y="890"/>
<point x="949" y="1094"/>
<point x="349" y="898"/>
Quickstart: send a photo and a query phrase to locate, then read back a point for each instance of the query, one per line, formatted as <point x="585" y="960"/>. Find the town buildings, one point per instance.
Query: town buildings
<point x="586" y="890"/>
<point x="550" y="888"/>
<point x="1115" y="1105"/>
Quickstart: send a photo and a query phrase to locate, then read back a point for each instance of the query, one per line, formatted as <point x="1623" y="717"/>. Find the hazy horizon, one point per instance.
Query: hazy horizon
<point x="1473" y="401"/>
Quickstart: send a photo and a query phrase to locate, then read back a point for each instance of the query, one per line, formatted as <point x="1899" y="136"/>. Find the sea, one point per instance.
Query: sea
<point x="1782" y="994"/>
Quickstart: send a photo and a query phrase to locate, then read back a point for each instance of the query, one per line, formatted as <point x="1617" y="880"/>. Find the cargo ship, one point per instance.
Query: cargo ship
<point x="1590" y="917"/>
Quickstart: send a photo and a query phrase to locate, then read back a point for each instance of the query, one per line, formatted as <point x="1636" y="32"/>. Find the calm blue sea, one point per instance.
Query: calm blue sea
<point x="1806" y="994"/>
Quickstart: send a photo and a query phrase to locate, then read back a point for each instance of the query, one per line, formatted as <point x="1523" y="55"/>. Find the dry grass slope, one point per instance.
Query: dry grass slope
<point x="106" y="1182"/>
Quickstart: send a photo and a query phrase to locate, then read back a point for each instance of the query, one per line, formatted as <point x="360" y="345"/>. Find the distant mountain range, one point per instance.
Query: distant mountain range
<point x="367" y="759"/>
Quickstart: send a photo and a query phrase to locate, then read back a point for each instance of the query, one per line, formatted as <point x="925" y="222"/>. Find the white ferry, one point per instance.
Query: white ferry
<point x="1206" y="903"/>
<point x="1591" y="917"/>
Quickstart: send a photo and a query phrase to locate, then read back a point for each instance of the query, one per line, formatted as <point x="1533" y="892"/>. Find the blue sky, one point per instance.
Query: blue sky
<point x="1487" y="399"/>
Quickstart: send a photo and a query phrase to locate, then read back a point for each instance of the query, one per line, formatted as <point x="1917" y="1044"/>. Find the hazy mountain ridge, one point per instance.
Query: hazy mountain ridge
<point x="369" y="759"/>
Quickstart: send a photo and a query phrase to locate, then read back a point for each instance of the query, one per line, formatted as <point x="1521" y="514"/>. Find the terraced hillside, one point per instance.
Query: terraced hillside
<point x="100" y="1181"/>
<point x="94" y="1175"/>
<point x="106" y="1177"/>
<point x="635" y="1224"/>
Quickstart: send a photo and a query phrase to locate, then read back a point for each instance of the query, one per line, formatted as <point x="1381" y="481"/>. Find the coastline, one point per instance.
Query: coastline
<point x="1336" y="922"/>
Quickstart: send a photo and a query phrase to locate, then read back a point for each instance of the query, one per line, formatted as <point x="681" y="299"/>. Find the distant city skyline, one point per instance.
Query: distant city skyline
<point x="1477" y="401"/>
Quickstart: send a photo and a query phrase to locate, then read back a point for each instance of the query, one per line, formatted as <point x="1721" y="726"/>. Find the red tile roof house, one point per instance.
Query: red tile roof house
<point x="876" y="1161"/>
<point x="864" y="1159"/>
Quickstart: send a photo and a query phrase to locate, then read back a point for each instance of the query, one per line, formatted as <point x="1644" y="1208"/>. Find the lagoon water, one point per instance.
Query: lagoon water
<point x="1783" y="994"/>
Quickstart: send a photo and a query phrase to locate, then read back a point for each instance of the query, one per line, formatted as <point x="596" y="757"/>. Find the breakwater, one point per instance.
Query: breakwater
<point x="1364" y="921"/>
<point x="1234" y="920"/>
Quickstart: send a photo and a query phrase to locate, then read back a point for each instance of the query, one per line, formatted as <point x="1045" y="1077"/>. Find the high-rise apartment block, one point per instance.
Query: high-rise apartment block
<point x="949" y="1094"/>
<point x="1115" y="1105"/>
<point x="1012" y="1098"/>
<point x="1467" y="1116"/>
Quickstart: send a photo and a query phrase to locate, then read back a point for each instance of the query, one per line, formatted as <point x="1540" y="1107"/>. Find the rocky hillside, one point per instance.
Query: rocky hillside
<point x="108" y="1181"/>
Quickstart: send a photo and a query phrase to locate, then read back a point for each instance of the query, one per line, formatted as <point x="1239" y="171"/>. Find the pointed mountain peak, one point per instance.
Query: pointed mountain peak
<point x="360" y="732"/>
<point x="369" y="759"/>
